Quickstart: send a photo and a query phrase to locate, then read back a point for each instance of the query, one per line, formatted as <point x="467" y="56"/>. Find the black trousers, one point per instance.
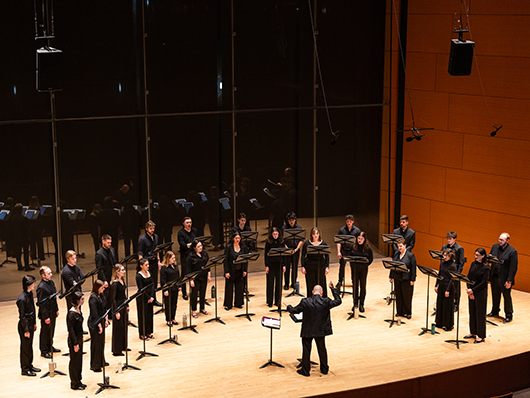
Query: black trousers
<point x="477" y="314"/>
<point x="314" y="276"/>
<point x="26" y="349"/>
<point x="360" y="283"/>
<point x="75" y="366"/>
<point x="322" y="354"/>
<point x="404" y="291"/>
<point x="47" y="331"/>
<point x="498" y="289"/>
<point x="274" y="285"/>
<point x="291" y="270"/>
<point x="17" y="253"/>
<point x="170" y="305"/>
<point x="236" y="282"/>
<point x="97" y="348"/>
<point x="200" y="289"/>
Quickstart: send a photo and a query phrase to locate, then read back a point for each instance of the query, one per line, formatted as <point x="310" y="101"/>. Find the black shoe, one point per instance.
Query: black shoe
<point x="107" y="364"/>
<point x="508" y="319"/>
<point x="324" y="373"/>
<point x="469" y="336"/>
<point x="228" y="308"/>
<point x="28" y="373"/>
<point x="34" y="369"/>
<point x="301" y="372"/>
<point x="286" y="287"/>
<point x="98" y="370"/>
<point x="269" y="305"/>
<point x="85" y="332"/>
<point x="128" y="349"/>
<point x="29" y="269"/>
<point x="175" y="322"/>
<point x="46" y="355"/>
<point x="55" y="349"/>
<point x="185" y="297"/>
<point x="78" y="388"/>
<point x="493" y="314"/>
<point x="408" y="316"/>
<point x="157" y="303"/>
<point x="84" y="385"/>
<point x="361" y="308"/>
<point x="456" y="308"/>
<point x="479" y="341"/>
<point x="120" y="354"/>
<point x="238" y="306"/>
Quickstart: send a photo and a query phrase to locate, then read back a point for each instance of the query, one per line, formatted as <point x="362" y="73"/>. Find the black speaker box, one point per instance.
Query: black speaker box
<point x="461" y="57"/>
<point x="49" y="69"/>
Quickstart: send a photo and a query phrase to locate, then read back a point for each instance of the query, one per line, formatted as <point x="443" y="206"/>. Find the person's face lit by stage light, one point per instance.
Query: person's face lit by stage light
<point x="47" y="275"/>
<point x="451" y="241"/>
<point x="402" y="248"/>
<point x="198" y="248"/>
<point x="106" y="243"/>
<point x="479" y="257"/>
<point x="403" y="224"/>
<point x="292" y="222"/>
<point x="237" y="239"/>
<point x="349" y="223"/>
<point x="446" y="257"/>
<point x="150" y="230"/>
<point x="72" y="260"/>
<point x="242" y="222"/>
<point x="315" y="236"/>
<point x="145" y="266"/>
<point x="275" y="235"/>
<point x="172" y="259"/>
<point x="503" y="240"/>
<point x="360" y="240"/>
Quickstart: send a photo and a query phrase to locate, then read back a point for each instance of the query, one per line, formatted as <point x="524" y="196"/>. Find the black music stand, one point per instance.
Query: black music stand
<point x="39" y="303"/>
<point x="493" y="260"/>
<point x="168" y="286"/>
<point x="344" y="240"/>
<point x="354" y="260"/>
<point x="280" y="252"/>
<point x="213" y="263"/>
<point x="124" y="304"/>
<point x="249" y="238"/>
<point x="458" y="277"/>
<point x="295" y="234"/>
<point x="390" y="239"/>
<point x="318" y="250"/>
<point x="437" y="255"/>
<point x="245" y="258"/>
<point x="272" y="324"/>
<point x="106" y="380"/>
<point x="125" y="261"/>
<point x="191" y="276"/>
<point x="429" y="272"/>
<point x="160" y="249"/>
<point x="144" y="352"/>
<point x="395" y="266"/>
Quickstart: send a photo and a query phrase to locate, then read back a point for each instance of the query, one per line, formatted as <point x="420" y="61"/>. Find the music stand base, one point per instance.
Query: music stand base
<point x="217" y="319"/>
<point x="279" y="310"/>
<point x="491" y="323"/>
<point x="57" y="372"/>
<point x="127" y="366"/>
<point x="351" y="315"/>
<point x="132" y="324"/>
<point x="427" y="330"/>
<point x="392" y="321"/>
<point x="294" y="293"/>
<point x="145" y="354"/>
<point x="192" y="327"/>
<point x="248" y="316"/>
<point x="170" y="340"/>
<point x="457" y="342"/>
<point x="103" y="386"/>
<point x="271" y="363"/>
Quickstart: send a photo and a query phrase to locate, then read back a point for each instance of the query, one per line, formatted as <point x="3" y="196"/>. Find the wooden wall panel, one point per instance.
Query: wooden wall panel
<point x="421" y="71"/>
<point x="424" y="243"/>
<point x="421" y="209"/>
<point x="433" y="7"/>
<point x="522" y="278"/>
<point x="423" y="180"/>
<point x="440" y="148"/>
<point x="500" y="35"/>
<point x="489" y="192"/>
<point x="496" y="7"/>
<point x="429" y="34"/>
<point x="431" y="109"/>
<point x="497" y="156"/>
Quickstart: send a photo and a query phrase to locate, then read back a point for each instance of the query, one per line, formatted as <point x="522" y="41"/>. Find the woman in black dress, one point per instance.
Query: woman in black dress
<point x="144" y="302"/>
<point x="97" y="305"/>
<point x="404" y="281"/>
<point x="121" y="319"/>
<point x="479" y="272"/>
<point x="74" y="321"/>
<point x="196" y="260"/>
<point x="274" y="267"/>
<point x="168" y="273"/>
<point x="361" y="248"/>
<point x="446" y="292"/>
<point x="234" y="273"/>
<point x="315" y="267"/>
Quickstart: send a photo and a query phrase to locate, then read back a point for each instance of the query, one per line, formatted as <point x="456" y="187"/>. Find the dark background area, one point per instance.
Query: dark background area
<point x="100" y="110"/>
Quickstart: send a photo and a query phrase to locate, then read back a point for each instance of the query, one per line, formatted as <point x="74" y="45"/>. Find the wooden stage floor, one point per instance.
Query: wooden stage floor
<point x="224" y="360"/>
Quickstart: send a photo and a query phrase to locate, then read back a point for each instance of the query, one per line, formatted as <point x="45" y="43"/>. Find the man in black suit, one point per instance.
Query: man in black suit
<point x="459" y="261"/>
<point x="345" y="249"/>
<point x="503" y="276"/>
<point x="106" y="259"/>
<point x="407" y="233"/>
<point x="48" y="312"/>
<point x="316" y="324"/>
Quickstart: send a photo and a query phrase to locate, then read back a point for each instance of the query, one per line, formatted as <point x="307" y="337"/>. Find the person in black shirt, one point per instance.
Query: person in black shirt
<point x="315" y="267"/>
<point x="27" y="325"/>
<point x="503" y="276"/>
<point x="234" y="273"/>
<point x="479" y="272"/>
<point x="345" y="249"/>
<point x="48" y="312"/>
<point x="74" y="320"/>
<point x="243" y="226"/>
<point x="291" y="265"/>
<point x="144" y="303"/>
<point x="116" y="297"/>
<point x="459" y="261"/>
<point x="196" y="260"/>
<point x="407" y="233"/>
<point x="404" y="281"/>
<point x="445" y="291"/>
<point x="168" y="273"/>
<point x="185" y="237"/>
<point x="106" y="259"/>
<point x="274" y="268"/>
<point x="361" y="248"/>
<point x="97" y="304"/>
<point x="71" y="275"/>
<point x="146" y="245"/>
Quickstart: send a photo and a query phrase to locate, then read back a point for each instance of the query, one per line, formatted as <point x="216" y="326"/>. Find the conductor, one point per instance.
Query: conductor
<point x="316" y="324"/>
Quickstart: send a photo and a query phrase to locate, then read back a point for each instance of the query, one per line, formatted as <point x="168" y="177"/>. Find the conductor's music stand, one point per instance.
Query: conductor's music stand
<point x="429" y="272"/>
<point x="395" y="266"/>
<point x="106" y="381"/>
<point x="346" y="240"/>
<point x="354" y="260"/>
<point x="144" y="352"/>
<point x="272" y="324"/>
<point x="213" y="263"/>
<point x="188" y="278"/>
<point x="39" y="303"/>
<point x="458" y="277"/>
<point x="126" y="365"/>
<point x="390" y="239"/>
<point x="168" y="286"/>
<point x="279" y="252"/>
<point x="294" y="234"/>
<point x="245" y="258"/>
<point x="319" y="250"/>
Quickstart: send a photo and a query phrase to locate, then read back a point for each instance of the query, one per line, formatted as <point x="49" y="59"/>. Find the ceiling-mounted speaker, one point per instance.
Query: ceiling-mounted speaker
<point x="49" y="69"/>
<point x="461" y="57"/>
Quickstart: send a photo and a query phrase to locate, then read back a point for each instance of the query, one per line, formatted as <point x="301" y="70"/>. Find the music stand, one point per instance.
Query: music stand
<point x="168" y="286"/>
<point x="318" y="250"/>
<point x="245" y="258"/>
<point x="272" y="324"/>
<point x="106" y="381"/>
<point x="429" y="272"/>
<point x="144" y="352"/>
<point x="280" y="252"/>
<point x="294" y="234"/>
<point x="205" y="240"/>
<point x="39" y="303"/>
<point x="458" y="277"/>
<point x="390" y="239"/>
<point x="493" y="260"/>
<point x="213" y="263"/>
<point x="344" y="240"/>
<point x="437" y="255"/>
<point x="191" y="276"/>
<point x="354" y="260"/>
<point x="395" y="266"/>
<point x="125" y="261"/>
<point x="124" y="304"/>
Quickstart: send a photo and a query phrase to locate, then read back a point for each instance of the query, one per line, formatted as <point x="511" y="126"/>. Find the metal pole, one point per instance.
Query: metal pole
<point x="146" y="119"/>
<point x="315" y="128"/>
<point x="58" y="243"/>
<point x="234" y="132"/>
